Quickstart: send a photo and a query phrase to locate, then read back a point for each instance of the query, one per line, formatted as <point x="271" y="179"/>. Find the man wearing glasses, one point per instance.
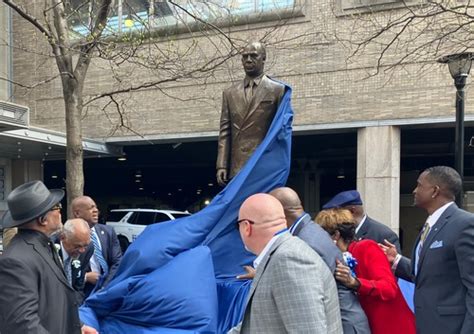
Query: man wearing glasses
<point x="36" y="296"/>
<point x="293" y="290"/>
<point x="75" y="252"/>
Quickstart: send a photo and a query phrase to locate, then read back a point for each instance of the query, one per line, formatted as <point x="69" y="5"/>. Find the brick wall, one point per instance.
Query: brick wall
<point x="327" y="87"/>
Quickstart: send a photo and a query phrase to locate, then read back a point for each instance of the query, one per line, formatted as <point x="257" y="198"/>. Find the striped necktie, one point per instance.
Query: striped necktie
<point x="98" y="253"/>
<point x="67" y="269"/>
<point x="424" y="234"/>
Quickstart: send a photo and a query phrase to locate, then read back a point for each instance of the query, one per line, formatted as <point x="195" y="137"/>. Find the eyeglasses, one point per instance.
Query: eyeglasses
<point x="251" y="222"/>
<point x="56" y="207"/>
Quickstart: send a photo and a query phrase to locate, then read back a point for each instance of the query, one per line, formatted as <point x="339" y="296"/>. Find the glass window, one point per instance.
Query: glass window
<point x="132" y="15"/>
<point x="115" y="216"/>
<point x="180" y="215"/>
<point x="161" y="217"/>
<point x="145" y="218"/>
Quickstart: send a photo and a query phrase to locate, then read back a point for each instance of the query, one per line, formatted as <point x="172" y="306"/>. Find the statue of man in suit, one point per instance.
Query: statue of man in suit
<point x="248" y="108"/>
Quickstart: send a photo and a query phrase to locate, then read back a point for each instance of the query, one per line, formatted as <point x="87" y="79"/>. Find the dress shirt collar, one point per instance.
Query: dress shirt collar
<point x="433" y="218"/>
<point x="265" y="250"/>
<point x="361" y="223"/>
<point x="256" y="80"/>
<point x="296" y="223"/>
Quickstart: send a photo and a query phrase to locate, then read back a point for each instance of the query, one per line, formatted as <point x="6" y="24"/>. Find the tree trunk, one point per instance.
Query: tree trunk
<point x="74" y="152"/>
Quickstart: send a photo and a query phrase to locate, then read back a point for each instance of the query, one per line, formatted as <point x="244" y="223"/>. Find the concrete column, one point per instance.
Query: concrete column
<point x="378" y="173"/>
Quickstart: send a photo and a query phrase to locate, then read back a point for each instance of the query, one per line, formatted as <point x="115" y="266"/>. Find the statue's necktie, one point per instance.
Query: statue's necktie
<point x="249" y="91"/>
<point x="98" y="253"/>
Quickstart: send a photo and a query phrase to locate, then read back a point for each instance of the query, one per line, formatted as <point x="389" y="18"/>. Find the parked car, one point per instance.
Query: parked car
<point x="129" y="223"/>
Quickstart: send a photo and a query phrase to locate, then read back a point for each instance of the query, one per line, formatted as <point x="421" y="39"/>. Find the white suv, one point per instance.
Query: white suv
<point x="129" y="223"/>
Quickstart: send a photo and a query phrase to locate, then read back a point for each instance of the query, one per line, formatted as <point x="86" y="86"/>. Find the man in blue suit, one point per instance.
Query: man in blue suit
<point x="442" y="263"/>
<point x="301" y="225"/>
<point x="107" y="253"/>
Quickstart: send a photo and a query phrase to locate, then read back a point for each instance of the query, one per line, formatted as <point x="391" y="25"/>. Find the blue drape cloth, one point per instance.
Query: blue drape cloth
<point x="179" y="276"/>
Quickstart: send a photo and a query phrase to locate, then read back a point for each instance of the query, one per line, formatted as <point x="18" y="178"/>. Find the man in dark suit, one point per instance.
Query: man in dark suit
<point x="74" y="242"/>
<point x="442" y="263"/>
<point x="36" y="296"/>
<point x="248" y="109"/>
<point x="107" y="253"/>
<point x="367" y="228"/>
<point x="301" y="225"/>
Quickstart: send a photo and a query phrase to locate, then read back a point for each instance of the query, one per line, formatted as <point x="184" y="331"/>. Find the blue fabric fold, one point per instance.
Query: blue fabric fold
<point x="159" y="289"/>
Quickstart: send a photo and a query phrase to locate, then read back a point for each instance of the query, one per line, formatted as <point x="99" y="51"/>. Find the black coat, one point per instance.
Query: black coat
<point x="373" y="230"/>
<point x="36" y="296"/>
<point x="78" y="272"/>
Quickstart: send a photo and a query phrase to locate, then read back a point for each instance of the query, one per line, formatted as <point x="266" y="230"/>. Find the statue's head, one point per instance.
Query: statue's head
<point x="253" y="59"/>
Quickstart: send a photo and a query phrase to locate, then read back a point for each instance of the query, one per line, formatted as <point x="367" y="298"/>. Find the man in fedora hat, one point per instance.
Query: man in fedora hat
<point x="36" y="296"/>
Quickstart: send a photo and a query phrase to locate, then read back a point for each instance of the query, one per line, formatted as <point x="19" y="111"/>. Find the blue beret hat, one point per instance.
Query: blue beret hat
<point x="345" y="198"/>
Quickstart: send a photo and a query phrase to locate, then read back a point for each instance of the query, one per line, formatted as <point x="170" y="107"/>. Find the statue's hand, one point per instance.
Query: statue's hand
<point x="221" y="176"/>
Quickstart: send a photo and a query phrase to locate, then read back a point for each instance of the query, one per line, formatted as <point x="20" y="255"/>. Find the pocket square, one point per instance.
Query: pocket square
<point x="436" y="244"/>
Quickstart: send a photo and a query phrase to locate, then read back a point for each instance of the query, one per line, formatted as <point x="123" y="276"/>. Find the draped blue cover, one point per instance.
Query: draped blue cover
<point x="179" y="276"/>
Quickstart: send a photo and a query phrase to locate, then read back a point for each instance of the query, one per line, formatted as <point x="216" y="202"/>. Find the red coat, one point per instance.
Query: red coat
<point x="379" y="294"/>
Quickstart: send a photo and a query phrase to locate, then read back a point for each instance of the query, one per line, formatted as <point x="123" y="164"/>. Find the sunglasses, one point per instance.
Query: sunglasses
<point x="251" y="222"/>
<point x="56" y="207"/>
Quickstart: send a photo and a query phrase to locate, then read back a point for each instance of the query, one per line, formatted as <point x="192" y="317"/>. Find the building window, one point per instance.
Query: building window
<point x="135" y="15"/>
<point x="347" y="7"/>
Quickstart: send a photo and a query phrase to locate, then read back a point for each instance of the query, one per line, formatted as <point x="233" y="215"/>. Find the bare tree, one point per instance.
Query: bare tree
<point x="79" y="32"/>
<point x="409" y="32"/>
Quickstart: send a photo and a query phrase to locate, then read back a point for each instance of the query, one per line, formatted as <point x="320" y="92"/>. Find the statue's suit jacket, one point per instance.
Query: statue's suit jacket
<point x="374" y="230"/>
<point x="353" y="316"/>
<point x="244" y="124"/>
<point x="293" y="292"/>
<point x="36" y="296"/>
<point x="444" y="284"/>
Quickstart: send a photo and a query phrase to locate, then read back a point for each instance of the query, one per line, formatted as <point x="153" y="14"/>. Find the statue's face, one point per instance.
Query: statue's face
<point x="253" y="59"/>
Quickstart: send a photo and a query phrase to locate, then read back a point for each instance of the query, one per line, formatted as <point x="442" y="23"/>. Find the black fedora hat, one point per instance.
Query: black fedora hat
<point x="29" y="201"/>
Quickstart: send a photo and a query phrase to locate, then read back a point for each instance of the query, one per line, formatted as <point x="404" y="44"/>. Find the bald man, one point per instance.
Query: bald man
<point x="301" y="225"/>
<point x="74" y="242"/>
<point x="106" y="254"/>
<point x="293" y="290"/>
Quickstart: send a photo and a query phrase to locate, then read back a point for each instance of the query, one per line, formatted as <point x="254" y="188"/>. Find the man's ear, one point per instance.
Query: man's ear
<point x="42" y="220"/>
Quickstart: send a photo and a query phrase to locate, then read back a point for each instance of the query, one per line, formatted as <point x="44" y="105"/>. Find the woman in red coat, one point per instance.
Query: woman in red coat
<point x="368" y="272"/>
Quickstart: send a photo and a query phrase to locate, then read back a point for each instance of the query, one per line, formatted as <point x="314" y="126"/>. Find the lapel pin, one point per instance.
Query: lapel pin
<point x="102" y="232"/>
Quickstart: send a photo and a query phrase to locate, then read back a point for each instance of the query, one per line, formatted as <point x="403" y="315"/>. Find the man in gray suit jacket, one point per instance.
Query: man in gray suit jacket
<point x="248" y="109"/>
<point x="300" y="224"/>
<point x="293" y="290"/>
<point x="442" y="263"/>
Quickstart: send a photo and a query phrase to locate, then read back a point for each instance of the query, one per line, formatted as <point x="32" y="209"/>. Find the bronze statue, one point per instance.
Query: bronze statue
<point x="248" y="108"/>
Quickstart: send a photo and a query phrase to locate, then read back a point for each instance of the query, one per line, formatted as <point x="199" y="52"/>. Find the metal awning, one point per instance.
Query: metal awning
<point x="38" y="144"/>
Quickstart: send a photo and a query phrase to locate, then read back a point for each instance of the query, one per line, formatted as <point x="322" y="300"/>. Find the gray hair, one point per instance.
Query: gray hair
<point x="71" y="225"/>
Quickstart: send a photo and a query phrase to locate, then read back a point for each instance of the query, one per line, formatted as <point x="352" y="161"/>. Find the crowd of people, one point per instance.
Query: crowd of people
<point x="363" y="256"/>
<point x="334" y="274"/>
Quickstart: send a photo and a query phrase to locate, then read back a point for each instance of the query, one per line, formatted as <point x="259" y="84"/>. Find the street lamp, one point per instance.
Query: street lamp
<point x="459" y="67"/>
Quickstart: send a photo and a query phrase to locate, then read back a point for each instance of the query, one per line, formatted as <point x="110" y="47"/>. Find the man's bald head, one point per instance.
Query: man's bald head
<point x="291" y="203"/>
<point x="84" y="207"/>
<point x="260" y="216"/>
